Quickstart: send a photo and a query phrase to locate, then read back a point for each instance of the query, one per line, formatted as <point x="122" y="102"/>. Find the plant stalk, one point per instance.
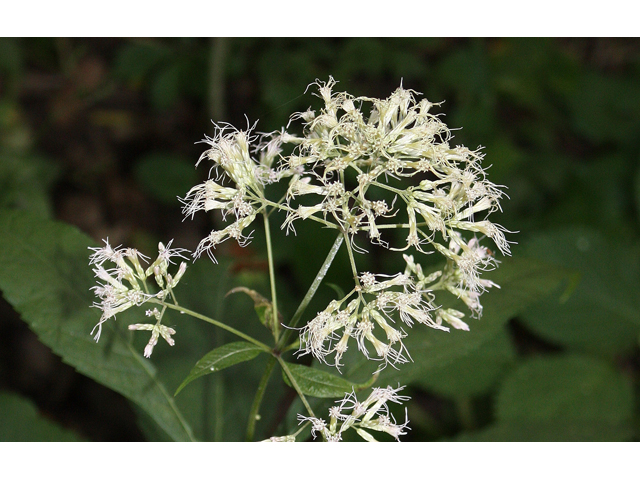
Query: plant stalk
<point x="214" y="322"/>
<point x="312" y="290"/>
<point x="272" y="277"/>
<point x="257" y="400"/>
<point x="295" y="385"/>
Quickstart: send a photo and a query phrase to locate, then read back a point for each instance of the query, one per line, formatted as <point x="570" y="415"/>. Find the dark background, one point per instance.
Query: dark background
<point x="101" y="133"/>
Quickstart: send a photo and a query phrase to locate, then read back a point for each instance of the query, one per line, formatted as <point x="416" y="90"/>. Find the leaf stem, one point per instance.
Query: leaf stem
<point x="214" y="322"/>
<point x="257" y="400"/>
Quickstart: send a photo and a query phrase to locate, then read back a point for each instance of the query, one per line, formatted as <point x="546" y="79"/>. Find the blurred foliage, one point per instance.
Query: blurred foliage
<point x="100" y="133"/>
<point x="21" y="422"/>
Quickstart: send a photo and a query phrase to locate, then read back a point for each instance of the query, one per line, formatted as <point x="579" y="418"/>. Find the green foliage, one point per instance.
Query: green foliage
<point x="46" y="279"/>
<point x="262" y="306"/>
<point x="600" y="316"/>
<point x="563" y="398"/>
<point x="605" y="107"/>
<point x="25" y="182"/>
<point x="221" y="358"/>
<point x="20" y="421"/>
<point x="169" y="69"/>
<point x="473" y="374"/>
<point x="318" y="383"/>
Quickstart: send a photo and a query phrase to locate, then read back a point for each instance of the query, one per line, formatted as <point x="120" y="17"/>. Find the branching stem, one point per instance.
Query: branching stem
<point x="213" y="322"/>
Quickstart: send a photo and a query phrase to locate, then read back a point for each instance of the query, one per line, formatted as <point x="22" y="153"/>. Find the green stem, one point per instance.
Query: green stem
<point x="312" y="290"/>
<point x="218" y="381"/>
<point x="214" y="322"/>
<point x="354" y="269"/>
<point x="257" y="400"/>
<point x="294" y="384"/>
<point x="272" y="277"/>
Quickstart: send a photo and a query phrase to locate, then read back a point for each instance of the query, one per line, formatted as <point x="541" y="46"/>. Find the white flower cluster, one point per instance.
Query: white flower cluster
<point x="375" y="305"/>
<point x="125" y="284"/>
<point x="372" y="414"/>
<point x="368" y="168"/>
<point x="236" y="189"/>
<point x="399" y="139"/>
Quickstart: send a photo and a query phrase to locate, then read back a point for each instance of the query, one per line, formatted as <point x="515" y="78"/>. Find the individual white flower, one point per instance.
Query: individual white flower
<point x="229" y="152"/>
<point x="157" y="330"/>
<point x="452" y="317"/>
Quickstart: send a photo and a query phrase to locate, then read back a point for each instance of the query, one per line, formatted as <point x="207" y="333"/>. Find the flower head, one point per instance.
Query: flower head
<point x="157" y="330"/>
<point x="371" y="414"/>
<point x="124" y="285"/>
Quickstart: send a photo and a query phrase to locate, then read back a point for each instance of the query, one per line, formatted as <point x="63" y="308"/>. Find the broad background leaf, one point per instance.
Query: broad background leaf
<point x="562" y="398"/>
<point x="473" y="374"/>
<point x="318" y="383"/>
<point x="601" y="315"/>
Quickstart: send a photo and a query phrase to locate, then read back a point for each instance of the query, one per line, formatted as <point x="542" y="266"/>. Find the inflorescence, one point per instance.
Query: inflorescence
<point x="380" y="171"/>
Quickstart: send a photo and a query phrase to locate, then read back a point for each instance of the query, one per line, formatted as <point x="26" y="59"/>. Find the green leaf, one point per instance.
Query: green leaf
<point x="46" y="277"/>
<point x="572" y="387"/>
<point x="221" y="358"/>
<point x="472" y="374"/>
<point x="522" y="282"/>
<point x="25" y="181"/>
<point x="556" y="430"/>
<point x="20" y="421"/>
<point x="318" y="383"/>
<point x="561" y="398"/>
<point x="569" y="397"/>
<point x="601" y="315"/>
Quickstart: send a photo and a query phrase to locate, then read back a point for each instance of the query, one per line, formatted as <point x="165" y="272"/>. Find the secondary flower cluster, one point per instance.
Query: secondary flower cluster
<point x="238" y="185"/>
<point x="375" y="305"/>
<point x="125" y="284"/>
<point x="372" y="414"/>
